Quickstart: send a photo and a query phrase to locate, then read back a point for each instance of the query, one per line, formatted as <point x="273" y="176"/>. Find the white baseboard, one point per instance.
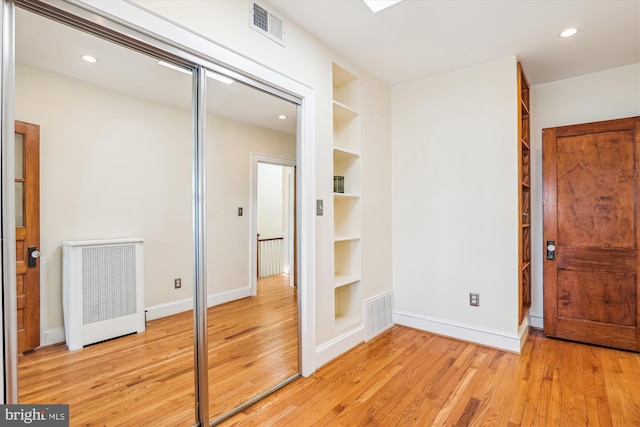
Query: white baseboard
<point x="536" y="321"/>
<point x="483" y="336"/>
<point x="159" y="311"/>
<point x="168" y="309"/>
<point x="228" y="296"/>
<point x="56" y="336"/>
<point x="52" y="336"/>
<point x="338" y="346"/>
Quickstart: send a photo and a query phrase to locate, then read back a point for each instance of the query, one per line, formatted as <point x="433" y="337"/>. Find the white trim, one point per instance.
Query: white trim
<point x="479" y="335"/>
<point x="159" y="311"/>
<point x="138" y="17"/>
<point x="338" y="346"/>
<point x="228" y="296"/>
<point x="52" y="336"/>
<point x="536" y="321"/>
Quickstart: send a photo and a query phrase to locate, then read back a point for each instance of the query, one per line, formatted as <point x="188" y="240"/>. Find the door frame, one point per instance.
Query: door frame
<point x="256" y="159"/>
<point x="132" y="22"/>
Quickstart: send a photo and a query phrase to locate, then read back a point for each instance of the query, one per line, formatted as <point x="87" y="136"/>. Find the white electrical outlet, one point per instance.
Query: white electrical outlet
<point x="474" y="299"/>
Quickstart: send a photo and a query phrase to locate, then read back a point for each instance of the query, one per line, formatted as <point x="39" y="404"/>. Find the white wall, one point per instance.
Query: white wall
<point x="455" y="202"/>
<point x="110" y="166"/>
<point x="117" y="166"/>
<point x="606" y="95"/>
<point x="305" y="59"/>
<point x="229" y="147"/>
<point x="270" y="203"/>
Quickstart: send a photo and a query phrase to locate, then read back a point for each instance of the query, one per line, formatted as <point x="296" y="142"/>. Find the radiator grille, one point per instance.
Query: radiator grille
<point x="109" y="282"/>
<point x="102" y="289"/>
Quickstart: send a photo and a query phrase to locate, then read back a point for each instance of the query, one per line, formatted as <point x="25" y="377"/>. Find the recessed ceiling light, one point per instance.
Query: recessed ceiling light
<point x="90" y="59"/>
<point x="282" y="117"/>
<point x="568" y="32"/>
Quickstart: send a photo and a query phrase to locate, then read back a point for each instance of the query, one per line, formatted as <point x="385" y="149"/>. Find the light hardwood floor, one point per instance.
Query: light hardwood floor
<point x="406" y="377"/>
<point x="148" y="379"/>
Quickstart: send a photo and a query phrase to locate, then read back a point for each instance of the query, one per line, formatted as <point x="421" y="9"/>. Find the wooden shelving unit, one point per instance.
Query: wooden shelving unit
<point x="346" y="199"/>
<point x="524" y="195"/>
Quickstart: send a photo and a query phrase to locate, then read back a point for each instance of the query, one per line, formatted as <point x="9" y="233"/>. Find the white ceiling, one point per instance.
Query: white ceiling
<point x="415" y="39"/>
<point x="411" y="40"/>
<point x="58" y="48"/>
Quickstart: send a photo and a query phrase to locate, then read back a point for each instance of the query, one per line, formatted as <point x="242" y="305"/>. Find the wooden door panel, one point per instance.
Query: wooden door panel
<point x="595" y="190"/>
<point x="28" y="235"/>
<point x="625" y="337"/>
<point x="602" y="297"/>
<point x="612" y="260"/>
<point x="590" y="175"/>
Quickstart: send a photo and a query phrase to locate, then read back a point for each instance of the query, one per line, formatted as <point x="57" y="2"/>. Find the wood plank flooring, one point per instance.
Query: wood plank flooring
<point x="406" y="377"/>
<point x="148" y="379"/>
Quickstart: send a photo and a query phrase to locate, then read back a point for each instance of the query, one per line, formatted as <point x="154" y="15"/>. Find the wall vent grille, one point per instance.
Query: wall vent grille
<point x="378" y="315"/>
<point x="267" y="23"/>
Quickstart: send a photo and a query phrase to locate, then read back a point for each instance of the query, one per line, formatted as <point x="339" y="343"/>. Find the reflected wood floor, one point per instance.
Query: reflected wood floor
<point x="406" y="377"/>
<point x="148" y="379"/>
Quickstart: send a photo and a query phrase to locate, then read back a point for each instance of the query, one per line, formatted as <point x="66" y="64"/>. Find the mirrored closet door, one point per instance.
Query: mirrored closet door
<point x="118" y="240"/>
<point x="250" y="192"/>
<point x="115" y="179"/>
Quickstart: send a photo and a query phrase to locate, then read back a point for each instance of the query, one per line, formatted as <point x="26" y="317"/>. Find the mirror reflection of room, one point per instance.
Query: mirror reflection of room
<point x="116" y="163"/>
<point x="253" y="323"/>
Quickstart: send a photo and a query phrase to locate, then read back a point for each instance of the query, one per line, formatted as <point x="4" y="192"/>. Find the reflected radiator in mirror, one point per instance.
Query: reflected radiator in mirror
<point x="103" y="290"/>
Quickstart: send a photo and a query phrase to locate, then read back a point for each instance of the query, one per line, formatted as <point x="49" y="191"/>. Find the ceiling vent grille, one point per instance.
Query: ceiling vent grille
<point x="266" y="23"/>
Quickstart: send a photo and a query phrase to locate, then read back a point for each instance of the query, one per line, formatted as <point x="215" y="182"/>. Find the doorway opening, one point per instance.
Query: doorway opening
<point x="273" y="218"/>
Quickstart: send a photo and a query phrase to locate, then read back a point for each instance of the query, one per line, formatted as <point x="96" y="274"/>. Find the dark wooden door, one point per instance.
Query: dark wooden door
<point x="27" y="185"/>
<point x="590" y="175"/>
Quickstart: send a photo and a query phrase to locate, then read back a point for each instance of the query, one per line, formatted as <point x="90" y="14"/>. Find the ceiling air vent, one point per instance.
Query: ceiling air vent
<point x="266" y="23"/>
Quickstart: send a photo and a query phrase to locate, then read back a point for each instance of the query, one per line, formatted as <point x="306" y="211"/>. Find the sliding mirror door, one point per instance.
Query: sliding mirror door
<point x="115" y="206"/>
<point x="250" y="190"/>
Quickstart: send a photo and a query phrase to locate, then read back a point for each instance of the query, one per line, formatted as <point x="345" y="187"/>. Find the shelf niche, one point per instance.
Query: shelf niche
<point x="348" y="306"/>
<point x="524" y="197"/>
<point x="346" y="200"/>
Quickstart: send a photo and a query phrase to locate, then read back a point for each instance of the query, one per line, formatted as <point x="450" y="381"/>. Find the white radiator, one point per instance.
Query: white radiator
<point x="378" y="315"/>
<point x="103" y="290"/>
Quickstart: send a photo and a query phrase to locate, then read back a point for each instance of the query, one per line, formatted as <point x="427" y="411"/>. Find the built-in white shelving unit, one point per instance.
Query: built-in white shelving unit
<point x="346" y="199"/>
